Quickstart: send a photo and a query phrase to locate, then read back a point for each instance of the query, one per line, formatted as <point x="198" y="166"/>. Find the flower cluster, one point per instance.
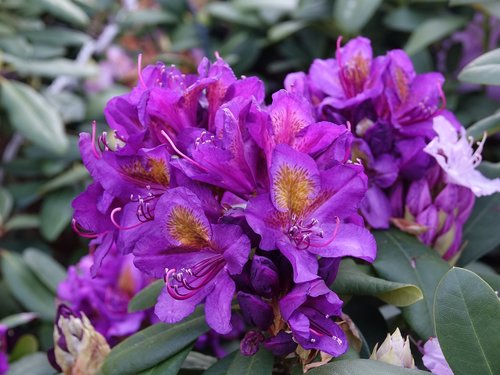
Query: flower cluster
<point x="223" y="196"/>
<point x="419" y="162"/>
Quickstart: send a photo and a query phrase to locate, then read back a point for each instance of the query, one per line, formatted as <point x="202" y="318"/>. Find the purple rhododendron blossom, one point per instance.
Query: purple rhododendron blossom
<point x="308" y="308"/>
<point x="104" y="298"/>
<point x="4" y="359"/>
<point x="434" y="359"/>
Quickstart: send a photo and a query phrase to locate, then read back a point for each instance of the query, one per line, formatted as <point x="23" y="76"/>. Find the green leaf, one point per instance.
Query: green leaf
<point x="6" y="203"/>
<point x="56" y="213"/>
<point x="65" y="10"/>
<point x="352" y="15"/>
<point x="266" y="5"/>
<point x="50" y="68"/>
<point x="72" y="176"/>
<point x="25" y="286"/>
<point x="32" y="116"/>
<point x="16" y="320"/>
<point x="402" y="258"/>
<point x="229" y="13"/>
<point x="153" y="345"/>
<point x="22" y="221"/>
<point x="147" y="17"/>
<point x="285" y="29"/>
<point x="490" y="125"/>
<point x="481" y="234"/>
<point x="221" y="367"/>
<point x="147" y="297"/>
<point x="431" y="31"/>
<point x="362" y="367"/>
<point x="404" y="19"/>
<point x="34" y="364"/>
<point x="170" y="366"/>
<point x="45" y="268"/>
<point x="490" y="170"/>
<point x="351" y="280"/>
<point x="26" y="345"/>
<point x="484" y="70"/>
<point x="468" y="2"/>
<point x="57" y="36"/>
<point x="467" y="319"/>
<point x="261" y="363"/>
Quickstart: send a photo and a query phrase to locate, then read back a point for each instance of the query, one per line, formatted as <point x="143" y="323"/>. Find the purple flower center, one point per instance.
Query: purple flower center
<point x="186" y="282"/>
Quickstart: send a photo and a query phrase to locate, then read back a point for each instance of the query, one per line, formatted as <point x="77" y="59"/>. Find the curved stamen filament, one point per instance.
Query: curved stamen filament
<point x="94" y="148"/>
<point x="334" y="235"/>
<point x="115" y="223"/>
<point x="84" y="232"/>
<point x="192" y="280"/>
<point x="139" y="70"/>
<point x="180" y="153"/>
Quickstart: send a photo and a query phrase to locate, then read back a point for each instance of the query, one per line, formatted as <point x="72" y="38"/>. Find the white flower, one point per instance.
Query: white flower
<point x="454" y="153"/>
<point x="395" y="351"/>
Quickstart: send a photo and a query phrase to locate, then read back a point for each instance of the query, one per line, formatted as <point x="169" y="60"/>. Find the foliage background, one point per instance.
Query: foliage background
<point x="54" y="81"/>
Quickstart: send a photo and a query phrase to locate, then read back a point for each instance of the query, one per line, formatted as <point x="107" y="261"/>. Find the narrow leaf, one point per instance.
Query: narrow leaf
<point x="16" y="320"/>
<point x="34" y="364"/>
<point x="261" y="363"/>
<point x="362" y="367"/>
<point x="490" y="125"/>
<point x="352" y="15"/>
<point x="65" y="10"/>
<point x="56" y="213"/>
<point x="32" y="116"/>
<point x="170" y="366"/>
<point x="467" y="319"/>
<point x="47" y="269"/>
<point x="484" y="70"/>
<point x="147" y="297"/>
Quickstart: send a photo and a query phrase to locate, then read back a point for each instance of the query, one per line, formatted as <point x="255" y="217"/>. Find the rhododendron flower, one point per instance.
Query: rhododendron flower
<point x="195" y="257"/>
<point x="4" y="359"/>
<point x="308" y="309"/>
<point x="307" y="212"/>
<point x="453" y="151"/>
<point x="434" y="359"/>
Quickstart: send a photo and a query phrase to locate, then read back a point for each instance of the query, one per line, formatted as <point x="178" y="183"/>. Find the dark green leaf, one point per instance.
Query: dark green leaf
<point x="147" y="17"/>
<point x="153" y="345"/>
<point x="65" y="10"/>
<point x="261" y="363"/>
<point x="402" y="258"/>
<point x="50" y="68"/>
<point x="147" y="297"/>
<point x="490" y="170"/>
<point x="285" y="29"/>
<point x="34" y="364"/>
<point x="6" y="203"/>
<point x="72" y="176"/>
<point x="481" y="234"/>
<point x="170" y="366"/>
<point x="352" y="15"/>
<point x="56" y="213"/>
<point x="32" y="116"/>
<point x="490" y="125"/>
<point x="469" y="2"/>
<point x="57" y="36"/>
<point x="22" y="221"/>
<point x="431" y="31"/>
<point x="16" y="320"/>
<point x="25" y="345"/>
<point x="351" y="280"/>
<point x="404" y="19"/>
<point x="45" y="267"/>
<point x="484" y="70"/>
<point x="362" y="367"/>
<point x="25" y="286"/>
<point x="467" y="319"/>
<point x="229" y="13"/>
<point x="221" y="367"/>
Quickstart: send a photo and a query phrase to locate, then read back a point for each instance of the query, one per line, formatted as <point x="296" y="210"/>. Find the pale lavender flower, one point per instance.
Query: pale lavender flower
<point x="434" y="359"/>
<point x="453" y="151"/>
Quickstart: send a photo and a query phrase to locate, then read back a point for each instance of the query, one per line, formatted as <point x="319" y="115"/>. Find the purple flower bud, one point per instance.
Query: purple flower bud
<point x="4" y="360"/>
<point x="264" y="276"/>
<point x="251" y="343"/>
<point x="281" y="345"/>
<point x="255" y="311"/>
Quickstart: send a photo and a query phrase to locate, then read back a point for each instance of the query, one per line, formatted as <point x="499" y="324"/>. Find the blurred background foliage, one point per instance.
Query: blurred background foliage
<point x="61" y="60"/>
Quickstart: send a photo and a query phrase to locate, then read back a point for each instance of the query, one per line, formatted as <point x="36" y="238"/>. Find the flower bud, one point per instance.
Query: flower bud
<point x="255" y="311"/>
<point x="264" y="276"/>
<point x="79" y="348"/>
<point x="395" y="351"/>
<point x="251" y="343"/>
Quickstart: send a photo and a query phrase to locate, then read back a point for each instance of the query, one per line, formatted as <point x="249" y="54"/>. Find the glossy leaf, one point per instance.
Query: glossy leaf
<point x="490" y="125"/>
<point x="16" y="320"/>
<point x="402" y="258"/>
<point x="45" y="268"/>
<point x="33" y="117"/>
<point x="56" y="213"/>
<point x="153" y="345"/>
<point x="147" y="297"/>
<point x="25" y="345"/>
<point x="431" y="31"/>
<point x="50" y="68"/>
<point x="34" y="364"/>
<point x="6" y="203"/>
<point x="170" y="366"/>
<point x="25" y="286"/>
<point x="261" y="363"/>
<point x="72" y="176"/>
<point x="467" y="319"/>
<point x="65" y="10"/>
<point x="362" y="367"/>
<point x="351" y="280"/>
<point x="352" y="15"/>
<point x="221" y="367"/>
<point x="481" y="234"/>
<point x="484" y="70"/>
<point x="285" y="29"/>
<point x="22" y="221"/>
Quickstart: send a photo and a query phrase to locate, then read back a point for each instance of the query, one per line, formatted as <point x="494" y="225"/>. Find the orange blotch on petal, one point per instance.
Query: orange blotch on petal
<point x="293" y="188"/>
<point x="187" y="229"/>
